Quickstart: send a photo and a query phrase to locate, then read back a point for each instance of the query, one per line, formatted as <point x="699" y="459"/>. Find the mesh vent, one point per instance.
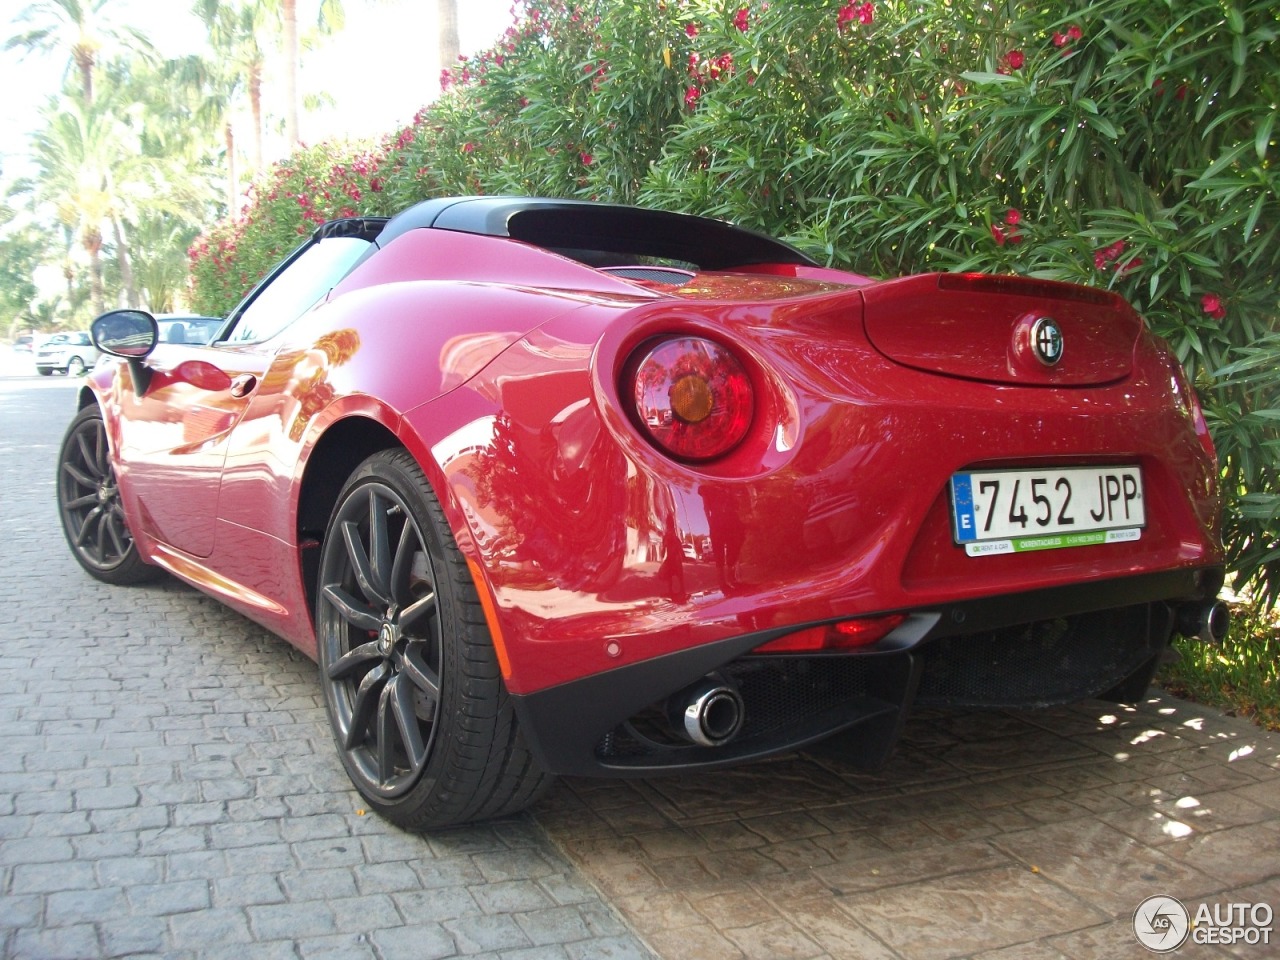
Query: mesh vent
<point x="1037" y="664"/>
<point x="675" y="278"/>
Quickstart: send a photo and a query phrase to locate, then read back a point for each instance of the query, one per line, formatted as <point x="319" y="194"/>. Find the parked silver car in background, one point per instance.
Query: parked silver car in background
<point x="69" y="353"/>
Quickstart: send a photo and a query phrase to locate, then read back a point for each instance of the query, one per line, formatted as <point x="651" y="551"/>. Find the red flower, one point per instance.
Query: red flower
<point x="691" y="30"/>
<point x="1016" y="59"/>
<point x="691" y="97"/>
<point x="863" y="13"/>
<point x="998" y="234"/>
<point x="586" y="159"/>
<point x="1013" y="217"/>
<point x="1062" y="39"/>
<point x="742" y="19"/>
<point x="1211" y="303"/>
<point x="468" y="147"/>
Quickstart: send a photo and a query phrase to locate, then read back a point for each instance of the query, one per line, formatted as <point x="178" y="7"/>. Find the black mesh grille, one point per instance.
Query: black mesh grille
<point x="1037" y="664"/>
<point x="778" y="693"/>
<point x="652" y="274"/>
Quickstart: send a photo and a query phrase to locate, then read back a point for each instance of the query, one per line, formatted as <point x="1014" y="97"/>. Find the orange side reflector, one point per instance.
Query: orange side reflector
<point x="490" y="617"/>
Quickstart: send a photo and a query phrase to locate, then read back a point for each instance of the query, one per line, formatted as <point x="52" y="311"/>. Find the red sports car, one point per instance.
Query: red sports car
<point x="552" y="487"/>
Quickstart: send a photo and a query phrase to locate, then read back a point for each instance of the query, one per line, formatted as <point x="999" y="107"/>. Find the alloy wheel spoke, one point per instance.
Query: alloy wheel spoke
<point x="380" y="545"/>
<point x="79" y="476"/>
<point x="86" y="524"/>
<point x="78" y="502"/>
<point x="364" y="704"/>
<point x="402" y="565"/>
<point x="365" y="575"/>
<point x="88" y="457"/>
<point x="415" y="667"/>
<point x="401" y="694"/>
<point x="384" y="750"/>
<point x="417" y="610"/>
<point x="102" y="458"/>
<point x="353" y="660"/>
<point x="110" y="528"/>
<point x="351" y="609"/>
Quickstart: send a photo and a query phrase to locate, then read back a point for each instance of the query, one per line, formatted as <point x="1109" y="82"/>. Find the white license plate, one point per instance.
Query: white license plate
<point x="1015" y="511"/>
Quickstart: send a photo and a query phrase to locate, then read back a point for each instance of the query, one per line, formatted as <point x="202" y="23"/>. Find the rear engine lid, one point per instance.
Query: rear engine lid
<point x="1003" y="329"/>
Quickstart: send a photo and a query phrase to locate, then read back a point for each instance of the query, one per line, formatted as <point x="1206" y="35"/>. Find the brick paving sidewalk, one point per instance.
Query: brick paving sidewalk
<point x="168" y="787"/>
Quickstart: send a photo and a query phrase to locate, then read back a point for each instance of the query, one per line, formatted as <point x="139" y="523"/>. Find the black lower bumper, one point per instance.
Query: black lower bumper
<point x="1029" y="649"/>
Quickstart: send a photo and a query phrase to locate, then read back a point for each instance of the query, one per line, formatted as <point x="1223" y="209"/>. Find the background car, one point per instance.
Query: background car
<point x="69" y="353"/>
<point x="187" y="327"/>
<point x="22" y="343"/>
<point x="552" y="487"/>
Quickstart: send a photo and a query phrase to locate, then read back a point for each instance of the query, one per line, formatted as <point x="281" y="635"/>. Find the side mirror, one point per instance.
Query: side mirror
<point x="131" y="334"/>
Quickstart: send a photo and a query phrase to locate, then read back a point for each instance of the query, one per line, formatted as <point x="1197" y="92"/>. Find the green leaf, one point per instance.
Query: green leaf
<point x="1262" y="138"/>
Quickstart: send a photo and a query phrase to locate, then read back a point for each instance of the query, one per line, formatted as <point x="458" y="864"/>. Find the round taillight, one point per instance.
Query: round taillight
<point x="692" y="397"/>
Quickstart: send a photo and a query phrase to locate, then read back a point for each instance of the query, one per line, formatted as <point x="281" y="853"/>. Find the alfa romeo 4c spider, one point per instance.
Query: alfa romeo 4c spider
<point x="551" y="487"/>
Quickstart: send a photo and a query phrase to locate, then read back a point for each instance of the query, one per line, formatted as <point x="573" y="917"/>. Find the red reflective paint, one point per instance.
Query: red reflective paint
<point x="509" y="373"/>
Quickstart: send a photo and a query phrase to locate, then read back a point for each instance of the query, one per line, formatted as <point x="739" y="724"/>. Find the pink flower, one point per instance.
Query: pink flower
<point x="998" y="234"/>
<point x="1073" y="32"/>
<point x="1016" y="59"/>
<point x="691" y="30"/>
<point x="1013" y="217"/>
<point x="691" y="97"/>
<point x="1211" y="303"/>
<point x="863" y="13"/>
<point x="468" y="147"/>
<point x="586" y="159"/>
<point x="742" y="19"/>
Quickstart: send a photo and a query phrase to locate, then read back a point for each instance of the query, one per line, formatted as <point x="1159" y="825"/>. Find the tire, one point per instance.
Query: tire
<point x="416" y="702"/>
<point x="75" y="367"/>
<point x="45" y="371"/>
<point x="89" y="505"/>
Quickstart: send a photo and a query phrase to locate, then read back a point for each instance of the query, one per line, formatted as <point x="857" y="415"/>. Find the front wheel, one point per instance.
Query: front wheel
<point x="75" y="367"/>
<point x="422" y="720"/>
<point x="89" y="505"/>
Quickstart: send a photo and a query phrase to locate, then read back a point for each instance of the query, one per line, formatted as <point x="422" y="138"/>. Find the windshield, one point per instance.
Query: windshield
<point x="297" y="288"/>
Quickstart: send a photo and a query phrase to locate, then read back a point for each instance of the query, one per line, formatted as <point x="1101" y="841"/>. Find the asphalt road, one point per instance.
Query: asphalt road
<point x="168" y="787"/>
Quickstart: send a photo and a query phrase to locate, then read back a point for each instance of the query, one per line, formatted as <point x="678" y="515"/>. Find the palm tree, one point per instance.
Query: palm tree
<point x="330" y="17"/>
<point x="447" y="32"/>
<point x="84" y="30"/>
<point x="239" y="62"/>
<point x="91" y="174"/>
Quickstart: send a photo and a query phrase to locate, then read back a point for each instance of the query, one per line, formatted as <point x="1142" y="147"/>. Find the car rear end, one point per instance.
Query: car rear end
<point x="949" y="490"/>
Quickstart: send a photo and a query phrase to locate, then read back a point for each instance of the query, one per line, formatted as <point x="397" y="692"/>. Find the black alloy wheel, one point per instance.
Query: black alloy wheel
<point x="417" y="707"/>
<point x="89" y="505"/>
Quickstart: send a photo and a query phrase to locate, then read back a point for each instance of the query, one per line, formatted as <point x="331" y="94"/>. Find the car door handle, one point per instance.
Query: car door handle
<point x="242" y="384"/>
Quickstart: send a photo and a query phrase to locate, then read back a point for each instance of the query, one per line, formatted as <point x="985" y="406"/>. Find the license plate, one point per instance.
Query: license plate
<point x="1016" y="511"/>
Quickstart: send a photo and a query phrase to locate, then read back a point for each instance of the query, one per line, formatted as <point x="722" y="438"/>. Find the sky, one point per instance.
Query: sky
<point x="379" y="70"/>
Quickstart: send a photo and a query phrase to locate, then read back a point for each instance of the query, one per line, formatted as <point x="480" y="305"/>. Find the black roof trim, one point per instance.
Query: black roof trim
<point x="580" y="225"/>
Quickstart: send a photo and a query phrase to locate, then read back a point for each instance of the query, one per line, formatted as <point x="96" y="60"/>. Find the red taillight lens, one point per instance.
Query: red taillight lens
<point x="692" y="397"/>
<point x="845" y="635"/>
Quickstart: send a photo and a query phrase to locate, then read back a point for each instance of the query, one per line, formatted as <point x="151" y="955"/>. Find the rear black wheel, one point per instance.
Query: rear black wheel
<point x="423" y="723"/>
<point x="89" y="505"/>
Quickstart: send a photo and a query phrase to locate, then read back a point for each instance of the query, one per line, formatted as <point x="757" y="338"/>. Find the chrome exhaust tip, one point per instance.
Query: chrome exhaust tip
<point x="709" y="713"/>
<point x="1208" y="621"/>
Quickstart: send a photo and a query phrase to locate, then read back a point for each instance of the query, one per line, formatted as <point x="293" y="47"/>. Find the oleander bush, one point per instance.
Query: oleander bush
<point x="1128" y="145"/>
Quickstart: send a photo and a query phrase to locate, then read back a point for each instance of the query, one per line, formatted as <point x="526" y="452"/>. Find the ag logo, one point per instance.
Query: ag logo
<point x="1046" y="341"/>
<point x="1161" y="924"/>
